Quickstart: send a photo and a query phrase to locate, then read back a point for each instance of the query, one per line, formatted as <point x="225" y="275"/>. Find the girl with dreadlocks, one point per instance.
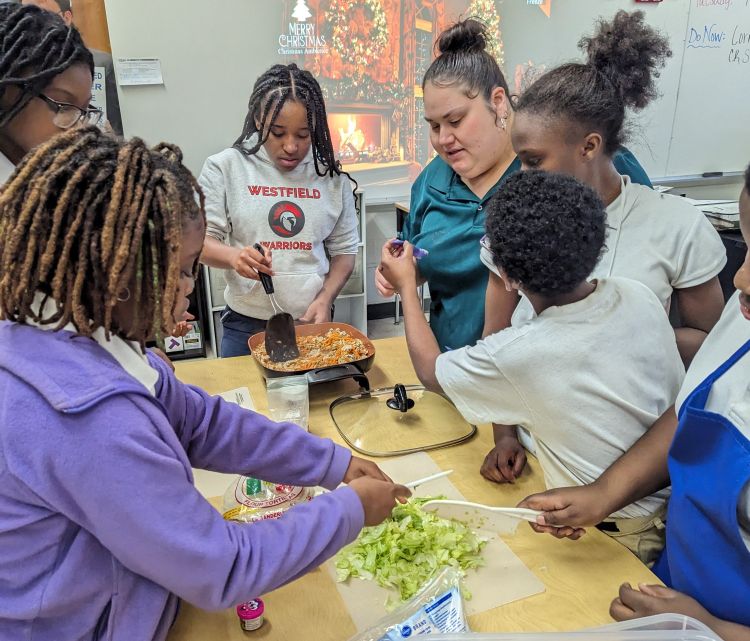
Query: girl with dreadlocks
<point x="281" y="186"/>
<point x="45" y="81"/>
<point x="101" y="528"/>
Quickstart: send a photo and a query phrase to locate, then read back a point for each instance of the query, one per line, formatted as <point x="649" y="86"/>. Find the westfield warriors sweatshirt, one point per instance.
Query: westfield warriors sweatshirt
<point x="297" y="214"/>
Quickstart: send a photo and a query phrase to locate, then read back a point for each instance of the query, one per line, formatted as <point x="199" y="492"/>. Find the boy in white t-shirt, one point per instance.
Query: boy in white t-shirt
<point x="701" y="446"/>
<point x="573" y="375"/>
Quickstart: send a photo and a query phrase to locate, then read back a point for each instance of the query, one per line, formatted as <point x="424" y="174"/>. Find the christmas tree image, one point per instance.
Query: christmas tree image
<point x="301" y="11"/>
<point x="486" y="11"/>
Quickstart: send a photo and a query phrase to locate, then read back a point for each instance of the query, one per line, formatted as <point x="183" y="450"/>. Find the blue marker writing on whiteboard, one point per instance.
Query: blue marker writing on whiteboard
<point x="419" y="253"/>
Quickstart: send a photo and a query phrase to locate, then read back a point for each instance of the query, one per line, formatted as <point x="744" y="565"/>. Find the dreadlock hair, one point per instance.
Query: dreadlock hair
<point x="35" y="46"/>
<point x="464" y="61"/>
<point x="86" y="216"/>
<point x="624" y="57"/>
<point x="270" y="93"/>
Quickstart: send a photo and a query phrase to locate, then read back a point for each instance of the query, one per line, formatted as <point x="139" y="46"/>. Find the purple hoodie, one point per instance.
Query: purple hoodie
<point x="101" y="528"/>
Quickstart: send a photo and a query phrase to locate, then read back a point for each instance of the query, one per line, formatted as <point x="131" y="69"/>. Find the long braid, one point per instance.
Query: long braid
<point x="87" y="216"/>
<point x="270" y="92"/>
<point x="35" y="46"/>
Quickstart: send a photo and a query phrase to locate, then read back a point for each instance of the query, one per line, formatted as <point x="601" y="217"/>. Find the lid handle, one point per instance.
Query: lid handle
<point x="400" y="400"/>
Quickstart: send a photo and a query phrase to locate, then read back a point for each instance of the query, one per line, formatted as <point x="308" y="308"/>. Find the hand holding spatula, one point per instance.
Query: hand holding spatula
<point x="280" y="339"/>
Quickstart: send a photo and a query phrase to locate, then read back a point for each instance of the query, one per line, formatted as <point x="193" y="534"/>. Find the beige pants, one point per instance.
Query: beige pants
<point x="643" y="536"/>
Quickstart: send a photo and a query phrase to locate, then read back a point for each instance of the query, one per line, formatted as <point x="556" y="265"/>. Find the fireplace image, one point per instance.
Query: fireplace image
<point x="369" y="57"/>
<point x="362" y="134"/>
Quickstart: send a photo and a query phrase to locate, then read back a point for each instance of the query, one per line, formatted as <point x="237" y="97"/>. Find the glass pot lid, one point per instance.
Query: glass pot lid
<point x="398" y="420"/>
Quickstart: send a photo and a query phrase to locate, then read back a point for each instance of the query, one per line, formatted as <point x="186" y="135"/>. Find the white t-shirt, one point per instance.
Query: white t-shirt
<point x="6" y="168"/>
<point x="297" y="214"/>
<point x="576" y="377"/>
<point x="730" y="395"/>
<point x="660" y="240"/>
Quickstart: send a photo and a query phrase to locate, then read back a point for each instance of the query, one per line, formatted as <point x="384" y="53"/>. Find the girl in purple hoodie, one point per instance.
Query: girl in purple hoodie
<point x="101" y="528"/>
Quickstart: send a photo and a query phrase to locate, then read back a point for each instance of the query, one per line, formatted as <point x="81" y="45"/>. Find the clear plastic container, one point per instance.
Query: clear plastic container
<point x="662" y="627"/>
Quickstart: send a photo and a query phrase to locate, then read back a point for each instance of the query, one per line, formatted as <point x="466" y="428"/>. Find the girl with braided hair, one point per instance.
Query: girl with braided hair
<point x="101" y="528"/>
<point x="280" y="185"/>
<point x="45" y="81"/>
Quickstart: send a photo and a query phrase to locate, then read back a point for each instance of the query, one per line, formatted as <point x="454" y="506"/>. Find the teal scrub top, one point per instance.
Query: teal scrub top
<point x="627" y="165"/>
<point x="447" y="219"/>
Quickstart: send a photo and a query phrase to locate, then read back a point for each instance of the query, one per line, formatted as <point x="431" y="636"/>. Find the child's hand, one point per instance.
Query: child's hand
<point x="385" y="289"/>
<point x="248" y="261"/>
<point x="318" y="312"/>
<point x="655" y="599"/>
<point x="505" y="461"/>
<point x="378" y="497"/>
<point x="183" y="327"/>
<point x="359" y="467"/>
<point x="398" y="266"/>
<point x="567" y="510"/>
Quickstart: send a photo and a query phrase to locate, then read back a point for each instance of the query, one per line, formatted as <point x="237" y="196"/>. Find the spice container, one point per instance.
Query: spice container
<point x="251" y="614"/>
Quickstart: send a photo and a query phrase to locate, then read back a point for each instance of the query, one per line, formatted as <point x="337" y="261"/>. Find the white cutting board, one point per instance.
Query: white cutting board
<point x="503" y="579"/>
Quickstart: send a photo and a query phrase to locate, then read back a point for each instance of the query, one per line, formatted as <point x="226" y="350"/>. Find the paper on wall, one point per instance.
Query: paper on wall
<point x="139" y="71"/>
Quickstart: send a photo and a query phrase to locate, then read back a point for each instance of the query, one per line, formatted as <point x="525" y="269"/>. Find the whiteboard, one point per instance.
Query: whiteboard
<point x="711" y="131"/>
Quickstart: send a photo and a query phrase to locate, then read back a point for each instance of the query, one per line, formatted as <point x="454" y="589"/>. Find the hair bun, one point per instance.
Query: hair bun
<point x="468" y="36"/>
<point x="629" y="52"/>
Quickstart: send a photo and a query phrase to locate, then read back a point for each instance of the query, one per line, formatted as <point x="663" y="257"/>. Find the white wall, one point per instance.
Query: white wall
<point x="223" y="47"/>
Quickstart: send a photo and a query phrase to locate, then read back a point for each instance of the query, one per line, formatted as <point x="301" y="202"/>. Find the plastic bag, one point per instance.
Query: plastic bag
<point x="288" y="400"/>
<point x="249" y="499"/>
<point x="437" y="609"/>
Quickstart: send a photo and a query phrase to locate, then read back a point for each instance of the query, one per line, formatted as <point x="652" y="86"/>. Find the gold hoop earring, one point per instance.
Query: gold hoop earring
<point x="124" y="297"/>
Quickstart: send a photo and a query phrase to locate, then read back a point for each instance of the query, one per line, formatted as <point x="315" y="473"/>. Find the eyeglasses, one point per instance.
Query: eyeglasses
<point x="67" y="115"/>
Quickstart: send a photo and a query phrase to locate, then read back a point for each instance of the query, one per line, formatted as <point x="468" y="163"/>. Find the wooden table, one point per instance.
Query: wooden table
<point x="581" y="577"/>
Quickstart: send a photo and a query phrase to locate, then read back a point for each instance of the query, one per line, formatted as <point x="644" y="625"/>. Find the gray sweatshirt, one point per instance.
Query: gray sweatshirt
<point x="297" y="214"/>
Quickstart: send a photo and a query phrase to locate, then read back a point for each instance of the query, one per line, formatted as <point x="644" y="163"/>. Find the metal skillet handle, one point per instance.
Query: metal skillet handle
<point x="265" y="279"/>
<point x="338" y="373"/>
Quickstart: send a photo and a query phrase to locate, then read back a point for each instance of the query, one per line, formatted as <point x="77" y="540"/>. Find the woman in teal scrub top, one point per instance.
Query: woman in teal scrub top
<point x="467" y="105"/>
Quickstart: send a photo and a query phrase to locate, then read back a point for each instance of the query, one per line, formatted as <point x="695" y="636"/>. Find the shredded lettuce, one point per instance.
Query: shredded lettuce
<point x="408" y="549"/>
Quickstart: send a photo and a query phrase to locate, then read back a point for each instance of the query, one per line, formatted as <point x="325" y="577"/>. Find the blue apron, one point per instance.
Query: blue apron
<point x="709" y="465"/>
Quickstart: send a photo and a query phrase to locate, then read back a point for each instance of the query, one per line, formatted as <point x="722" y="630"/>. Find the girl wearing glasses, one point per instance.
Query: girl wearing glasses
<point x="45" y="81"/>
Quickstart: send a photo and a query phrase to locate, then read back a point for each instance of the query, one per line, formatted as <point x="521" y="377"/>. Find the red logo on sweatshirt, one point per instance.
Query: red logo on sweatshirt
<point x="286" y="219"/>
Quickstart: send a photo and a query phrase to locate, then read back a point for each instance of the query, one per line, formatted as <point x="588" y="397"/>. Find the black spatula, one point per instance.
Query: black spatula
<point x="281" y="339"/>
